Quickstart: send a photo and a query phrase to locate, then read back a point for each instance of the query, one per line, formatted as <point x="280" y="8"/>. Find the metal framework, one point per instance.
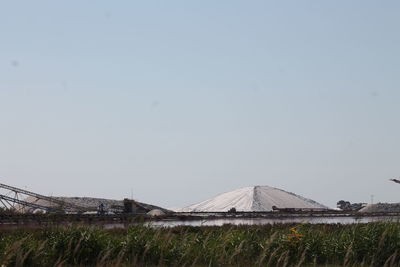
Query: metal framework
<point x="9" y="203"/>
<point x="14" y="198"/>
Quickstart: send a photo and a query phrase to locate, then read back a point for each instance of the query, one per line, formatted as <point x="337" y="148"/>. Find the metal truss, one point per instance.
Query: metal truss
<point x="14" y="198"/>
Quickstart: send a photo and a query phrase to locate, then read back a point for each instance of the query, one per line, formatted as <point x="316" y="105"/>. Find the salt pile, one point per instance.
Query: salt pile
<point x="255" y="198"/>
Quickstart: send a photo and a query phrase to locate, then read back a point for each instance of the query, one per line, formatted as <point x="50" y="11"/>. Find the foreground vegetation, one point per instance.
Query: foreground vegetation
<point x="373" y="244"/>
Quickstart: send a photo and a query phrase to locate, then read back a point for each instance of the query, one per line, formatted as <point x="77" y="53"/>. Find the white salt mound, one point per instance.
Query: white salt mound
<point x="156" y="212"/>
<point x="255" y="198"/>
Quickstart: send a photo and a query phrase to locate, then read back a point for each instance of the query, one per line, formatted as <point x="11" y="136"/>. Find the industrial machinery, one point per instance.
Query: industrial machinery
<point x="15" y="199"/>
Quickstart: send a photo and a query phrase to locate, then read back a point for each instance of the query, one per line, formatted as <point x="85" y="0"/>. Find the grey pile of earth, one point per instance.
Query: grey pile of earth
<point x="381" y="207"/>
<point x="90" y="202"/>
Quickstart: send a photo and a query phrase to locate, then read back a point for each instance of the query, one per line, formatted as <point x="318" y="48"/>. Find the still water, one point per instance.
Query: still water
<point x="261" y="221"/>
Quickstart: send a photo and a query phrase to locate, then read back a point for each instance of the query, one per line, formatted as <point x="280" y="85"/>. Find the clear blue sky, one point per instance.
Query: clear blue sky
<point x="177" y="101"/>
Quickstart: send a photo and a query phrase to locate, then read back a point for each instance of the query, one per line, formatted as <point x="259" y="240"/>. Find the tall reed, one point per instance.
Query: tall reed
<point x="373" y="244"/>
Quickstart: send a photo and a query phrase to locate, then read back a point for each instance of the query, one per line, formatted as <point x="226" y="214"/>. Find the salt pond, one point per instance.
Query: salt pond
<point x="261" y="221"/>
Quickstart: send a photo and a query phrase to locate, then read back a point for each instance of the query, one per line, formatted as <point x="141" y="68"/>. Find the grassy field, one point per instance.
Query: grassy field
<point x="373" y="244"/>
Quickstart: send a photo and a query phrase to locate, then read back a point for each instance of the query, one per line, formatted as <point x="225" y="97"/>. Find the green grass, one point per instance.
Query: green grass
<point x="373" y="244"/>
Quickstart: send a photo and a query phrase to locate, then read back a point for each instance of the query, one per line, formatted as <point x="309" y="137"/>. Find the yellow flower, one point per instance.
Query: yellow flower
<point x="294" y="235"/>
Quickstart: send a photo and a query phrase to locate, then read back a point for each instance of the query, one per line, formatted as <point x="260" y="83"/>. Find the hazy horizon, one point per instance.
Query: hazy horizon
<point x="176" y="102"/>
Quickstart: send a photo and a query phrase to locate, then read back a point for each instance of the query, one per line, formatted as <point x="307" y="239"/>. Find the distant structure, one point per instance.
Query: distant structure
<point x="347" y="206"/>
<point x="255" y="198"/>
<point x="132" y="206"/>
